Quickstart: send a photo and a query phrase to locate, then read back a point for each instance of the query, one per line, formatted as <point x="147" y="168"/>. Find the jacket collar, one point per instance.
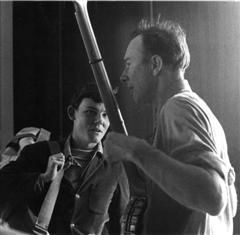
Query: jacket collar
<point x="67" y="148"/>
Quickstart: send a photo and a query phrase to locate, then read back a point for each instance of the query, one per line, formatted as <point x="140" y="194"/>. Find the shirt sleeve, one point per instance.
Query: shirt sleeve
<point x="190" y="133"/>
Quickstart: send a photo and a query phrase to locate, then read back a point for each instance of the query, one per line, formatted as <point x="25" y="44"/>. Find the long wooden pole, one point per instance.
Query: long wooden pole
<point x="96" y="62"/>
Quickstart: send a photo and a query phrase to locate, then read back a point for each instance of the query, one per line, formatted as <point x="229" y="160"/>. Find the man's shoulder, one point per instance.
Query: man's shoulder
<point x="182" y="98"/>
<point x="175" y="106"/>
<point x="184" y="103"/>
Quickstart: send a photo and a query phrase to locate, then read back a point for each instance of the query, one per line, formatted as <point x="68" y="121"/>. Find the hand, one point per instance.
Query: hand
<point x="119" y="147"/>
<point x="55" y="163"/>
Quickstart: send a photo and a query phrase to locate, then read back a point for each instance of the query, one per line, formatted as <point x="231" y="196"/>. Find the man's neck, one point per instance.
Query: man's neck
<point x="77" y="145"/>
<point x="167" y="82"/>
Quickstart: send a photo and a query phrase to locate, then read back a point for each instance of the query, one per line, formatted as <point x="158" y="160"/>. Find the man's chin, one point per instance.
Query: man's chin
<point x="96" y="138"/>
<point x="141" y="99"/>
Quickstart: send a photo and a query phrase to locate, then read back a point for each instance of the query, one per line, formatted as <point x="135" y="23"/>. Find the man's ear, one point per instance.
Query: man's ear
<point x="157" y="63"/>
<point x="71" y="112"/>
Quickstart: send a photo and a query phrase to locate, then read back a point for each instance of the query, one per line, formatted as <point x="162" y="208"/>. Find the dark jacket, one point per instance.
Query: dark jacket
<point x="95" y="208"/>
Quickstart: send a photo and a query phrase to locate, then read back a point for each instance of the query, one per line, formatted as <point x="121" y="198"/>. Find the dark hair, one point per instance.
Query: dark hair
<point x="167" y="39"/>
<point x="90" y="90"/>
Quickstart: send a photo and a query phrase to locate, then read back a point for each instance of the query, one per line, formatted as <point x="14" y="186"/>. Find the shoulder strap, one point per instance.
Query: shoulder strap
<point x="48" y="204"/>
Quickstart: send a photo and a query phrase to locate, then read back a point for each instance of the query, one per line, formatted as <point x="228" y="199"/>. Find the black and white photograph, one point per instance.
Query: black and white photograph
<point x="119" y="117"/>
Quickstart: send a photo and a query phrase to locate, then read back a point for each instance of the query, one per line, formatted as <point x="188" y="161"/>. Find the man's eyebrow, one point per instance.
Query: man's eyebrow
<point x="92" y="107"/>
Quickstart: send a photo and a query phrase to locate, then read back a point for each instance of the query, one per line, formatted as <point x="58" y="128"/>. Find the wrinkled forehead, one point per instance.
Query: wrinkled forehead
<point x="135" y="48"/>
<point x="88" y="103"/>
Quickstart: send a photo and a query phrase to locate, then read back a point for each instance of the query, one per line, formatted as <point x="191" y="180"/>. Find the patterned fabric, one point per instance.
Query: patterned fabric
<point x="13" y="148"/>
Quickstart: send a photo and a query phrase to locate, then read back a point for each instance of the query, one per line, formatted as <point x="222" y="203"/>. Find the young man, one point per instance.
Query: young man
<point x="90" y="186"/>
<point x="187" y="177"/>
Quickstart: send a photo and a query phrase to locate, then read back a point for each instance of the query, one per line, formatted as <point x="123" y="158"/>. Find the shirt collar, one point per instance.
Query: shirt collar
<point x="67" y="148"/>
<point x="177" y="86"/>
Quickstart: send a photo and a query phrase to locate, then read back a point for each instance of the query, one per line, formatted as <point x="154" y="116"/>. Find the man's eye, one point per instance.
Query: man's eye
<point x="90" y="112"/>
<point x="105" y="115"/>
<point x="127" y="65"/>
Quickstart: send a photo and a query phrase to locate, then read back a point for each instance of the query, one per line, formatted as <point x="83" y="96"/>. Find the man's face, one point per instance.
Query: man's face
<point x="137" y="71"/>
<point x="90" y="123"/>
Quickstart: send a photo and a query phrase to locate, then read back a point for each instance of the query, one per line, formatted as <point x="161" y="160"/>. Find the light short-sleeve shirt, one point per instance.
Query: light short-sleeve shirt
<point x="188" y="131"/>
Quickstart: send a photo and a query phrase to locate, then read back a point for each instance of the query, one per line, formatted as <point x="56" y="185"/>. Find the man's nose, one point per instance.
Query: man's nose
<point x="99" y="119"/>
<point x="123" y="77"/>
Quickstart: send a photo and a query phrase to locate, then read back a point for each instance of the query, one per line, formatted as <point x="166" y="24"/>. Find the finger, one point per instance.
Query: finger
<point x="59" y="157"/>
<point x="57" y="160"/>
<point x="58" y="164"/>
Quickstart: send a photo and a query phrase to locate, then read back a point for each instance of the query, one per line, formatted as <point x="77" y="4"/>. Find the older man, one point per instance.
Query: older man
<point x="187" y="179"/>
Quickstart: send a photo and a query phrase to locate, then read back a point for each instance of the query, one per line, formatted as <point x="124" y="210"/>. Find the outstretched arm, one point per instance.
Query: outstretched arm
<point x="192" y="186"/>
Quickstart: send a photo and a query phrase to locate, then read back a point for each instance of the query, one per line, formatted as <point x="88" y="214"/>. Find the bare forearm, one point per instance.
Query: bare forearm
<point x="192" y="186"/>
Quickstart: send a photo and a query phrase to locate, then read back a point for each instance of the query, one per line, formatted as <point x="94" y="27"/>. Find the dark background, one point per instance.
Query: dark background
<point x="50" y="58"/>
<point x="50" y="61"/>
